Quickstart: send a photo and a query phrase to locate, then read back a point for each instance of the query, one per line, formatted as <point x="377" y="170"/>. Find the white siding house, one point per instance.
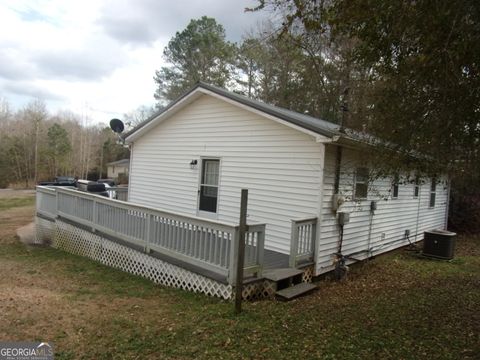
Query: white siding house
<point x="118" y="168"/>
<point x="195" y="156"/>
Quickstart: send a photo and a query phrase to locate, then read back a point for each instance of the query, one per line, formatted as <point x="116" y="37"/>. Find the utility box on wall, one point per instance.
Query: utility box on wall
<point x="439" y="244"/>
<point x="343" y="217"/>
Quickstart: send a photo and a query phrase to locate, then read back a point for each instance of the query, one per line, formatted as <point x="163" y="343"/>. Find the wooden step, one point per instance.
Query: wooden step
<point x="293" y="292"/>
<point x="281" y="274"/>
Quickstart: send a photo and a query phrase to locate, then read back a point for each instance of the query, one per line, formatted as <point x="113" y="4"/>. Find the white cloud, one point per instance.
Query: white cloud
<point x="97" y="57"/>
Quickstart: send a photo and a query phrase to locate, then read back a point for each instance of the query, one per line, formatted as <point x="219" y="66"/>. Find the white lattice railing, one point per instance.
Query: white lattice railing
<point x="302" y="246"/>
<point x="208" y="244"/>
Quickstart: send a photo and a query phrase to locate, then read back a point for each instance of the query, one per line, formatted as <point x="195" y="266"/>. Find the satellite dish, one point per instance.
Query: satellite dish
<point x="117" y="125"/>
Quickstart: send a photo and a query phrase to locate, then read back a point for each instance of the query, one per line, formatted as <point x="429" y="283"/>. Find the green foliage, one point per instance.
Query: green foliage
<point x="293" y="71"/>
<point x="412" y="68"/>
<point x="276" y="73"/>
<point x="59" y="148"/>
<point x="419" y="61"/>
<point x="465" y="203"/>
<point x="110" y="151"/>
<point x="199" y="52"/>
<point x="425" y="57"/>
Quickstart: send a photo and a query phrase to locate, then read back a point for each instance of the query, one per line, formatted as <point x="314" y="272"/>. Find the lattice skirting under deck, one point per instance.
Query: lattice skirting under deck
<point x="44" y="231"/>
<point x="75" y="240"/>
<point x="78" y="241"/>
<point x="308" y="273"/>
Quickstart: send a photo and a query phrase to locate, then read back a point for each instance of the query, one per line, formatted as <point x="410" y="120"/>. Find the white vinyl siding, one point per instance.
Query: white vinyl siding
<point x="389" y="221"/>
<point x="283" y="169"/>
<point x="280" y="166"/>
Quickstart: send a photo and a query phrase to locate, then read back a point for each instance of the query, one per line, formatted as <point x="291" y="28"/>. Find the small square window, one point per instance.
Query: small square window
<point x="361" y="183"/>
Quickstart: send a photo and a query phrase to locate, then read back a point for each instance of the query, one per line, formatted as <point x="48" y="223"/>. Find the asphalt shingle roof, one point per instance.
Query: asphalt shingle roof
<point x="311" y="123"/>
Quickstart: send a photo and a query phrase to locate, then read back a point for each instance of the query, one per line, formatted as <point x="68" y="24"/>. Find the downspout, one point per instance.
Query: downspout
<point x="338" y="163"/>
<point x="370" y="225"/>
<point x="336" y="187"/>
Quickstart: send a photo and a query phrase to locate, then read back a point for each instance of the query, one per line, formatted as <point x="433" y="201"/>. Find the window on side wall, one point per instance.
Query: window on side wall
<point x="361" y="183"/>
<point x="416" y="187"/>
<point x="433" y="192"/>
<point x="395" y="182"/>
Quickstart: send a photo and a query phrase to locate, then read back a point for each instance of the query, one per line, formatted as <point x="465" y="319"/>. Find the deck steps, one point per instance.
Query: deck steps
<point x="289" y="283"/>
<point x="281" y="274"/>
<point x="295" y="291"/>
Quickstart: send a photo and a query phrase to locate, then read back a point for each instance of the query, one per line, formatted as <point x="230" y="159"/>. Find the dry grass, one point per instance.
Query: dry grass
<point x="395" y="307"/>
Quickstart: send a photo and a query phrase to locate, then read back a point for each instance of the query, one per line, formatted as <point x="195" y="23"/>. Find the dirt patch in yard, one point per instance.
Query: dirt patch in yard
<point x="11" y="220"/>
<point x="16" y="209"/>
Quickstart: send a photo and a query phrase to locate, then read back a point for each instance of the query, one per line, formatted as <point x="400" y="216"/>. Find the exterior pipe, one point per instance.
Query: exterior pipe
<point x="338" y="163"/>
<point x="418" y="211"/>
<point x="447" y="208"/>
<point x="370" y="232"/>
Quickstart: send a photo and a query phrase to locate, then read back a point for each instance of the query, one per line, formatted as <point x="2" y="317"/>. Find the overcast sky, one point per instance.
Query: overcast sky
<point x="97" y="57"/>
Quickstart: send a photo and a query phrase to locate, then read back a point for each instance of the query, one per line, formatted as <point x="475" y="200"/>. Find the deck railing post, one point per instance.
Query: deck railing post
<point x="94" y="214"/>
<point x="260" y="250"/>
<point x="148" y="232"/>
<point x="56" y="203"/>
<point x="233" y="256"/>
<point x="302" y="245"/>
<point x="293" y="245"/>
<point x="242" y="229"/>
<point x="313" y="238"/>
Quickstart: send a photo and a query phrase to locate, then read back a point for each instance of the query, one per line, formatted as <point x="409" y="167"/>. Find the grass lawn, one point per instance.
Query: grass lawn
<point x="394" y="307"/>
<point x="12" y="202"/>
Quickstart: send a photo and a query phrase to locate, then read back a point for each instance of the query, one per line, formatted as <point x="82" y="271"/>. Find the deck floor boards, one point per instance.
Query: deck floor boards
<point x="274" y="260"/>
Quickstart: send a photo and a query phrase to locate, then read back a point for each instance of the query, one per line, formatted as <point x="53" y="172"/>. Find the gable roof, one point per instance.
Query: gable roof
<point x="304" y="122"/>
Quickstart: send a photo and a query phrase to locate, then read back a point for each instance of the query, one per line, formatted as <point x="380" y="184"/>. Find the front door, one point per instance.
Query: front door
<point x="208" y="188"/>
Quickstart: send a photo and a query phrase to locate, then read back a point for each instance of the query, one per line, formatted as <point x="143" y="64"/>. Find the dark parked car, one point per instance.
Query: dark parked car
<point x="92" y="187"/>
<point x="110" y="182"/>
<point x="60" y="181"/>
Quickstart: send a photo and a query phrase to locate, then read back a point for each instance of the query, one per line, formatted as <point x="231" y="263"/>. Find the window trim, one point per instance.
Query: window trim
<point x="395" y="186"/>
<point x="433" y="193"/>
<point x="416" y="188"/>
<point x="356" y="182"/>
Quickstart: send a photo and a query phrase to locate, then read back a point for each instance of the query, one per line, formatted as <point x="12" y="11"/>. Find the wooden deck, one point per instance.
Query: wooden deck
<point x="274" y="260"/>
<point x="203" y="246"/>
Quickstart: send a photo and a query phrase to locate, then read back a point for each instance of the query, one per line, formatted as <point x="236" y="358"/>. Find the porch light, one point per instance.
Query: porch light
<point x="193" y="164"/>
